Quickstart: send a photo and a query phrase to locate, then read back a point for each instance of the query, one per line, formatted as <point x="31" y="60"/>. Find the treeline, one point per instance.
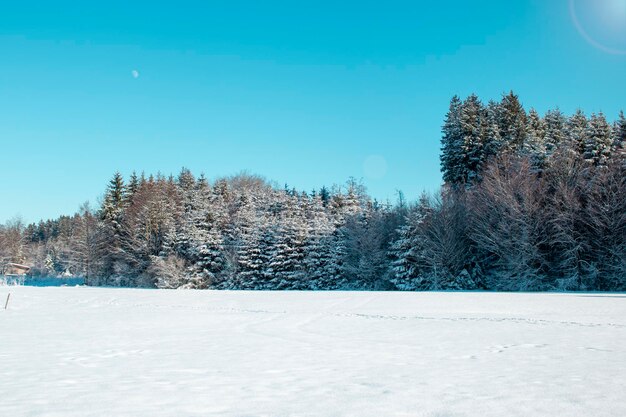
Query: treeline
<point x="237" y="233"/>
<point x="529" y="202"/>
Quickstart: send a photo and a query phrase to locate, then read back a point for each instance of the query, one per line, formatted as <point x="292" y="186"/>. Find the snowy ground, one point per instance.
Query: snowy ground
<point x="122" y="352"/>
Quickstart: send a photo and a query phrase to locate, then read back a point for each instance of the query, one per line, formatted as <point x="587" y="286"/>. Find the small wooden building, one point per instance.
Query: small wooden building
<point x="12" y="269"/>
<point x="13" y="274"/>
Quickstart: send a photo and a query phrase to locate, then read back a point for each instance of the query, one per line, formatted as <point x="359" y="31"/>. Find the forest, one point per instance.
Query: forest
<point x="529" y="202"/>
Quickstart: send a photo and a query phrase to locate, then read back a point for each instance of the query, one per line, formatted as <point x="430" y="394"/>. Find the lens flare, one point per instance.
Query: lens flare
<point x="602" y="23"/>
<point x="375" y="167"/>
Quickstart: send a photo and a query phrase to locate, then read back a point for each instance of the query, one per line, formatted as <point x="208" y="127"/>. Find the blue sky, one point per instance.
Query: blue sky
<point x="308" y="93"/>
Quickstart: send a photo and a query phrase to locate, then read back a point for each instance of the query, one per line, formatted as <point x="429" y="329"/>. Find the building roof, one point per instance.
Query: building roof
<point x="18" y="266"/>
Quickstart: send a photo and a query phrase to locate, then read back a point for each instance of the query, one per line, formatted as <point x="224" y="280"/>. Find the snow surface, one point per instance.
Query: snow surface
<point x="126" y="352"/>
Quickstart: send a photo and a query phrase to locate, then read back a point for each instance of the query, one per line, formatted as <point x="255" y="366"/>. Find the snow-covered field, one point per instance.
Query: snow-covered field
<point x="124" y="352"/>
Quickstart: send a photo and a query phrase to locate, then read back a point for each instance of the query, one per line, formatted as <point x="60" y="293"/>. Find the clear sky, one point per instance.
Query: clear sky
<point x="308" y="93"/>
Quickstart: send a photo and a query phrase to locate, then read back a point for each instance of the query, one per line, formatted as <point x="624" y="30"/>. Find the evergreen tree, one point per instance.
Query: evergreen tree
<point x="451" y="144"/>
<point x="186" y="181"/>
<point x="133" y="185"/>
<point x="619" y="135"/>
<point x="250" y="229"/>
<point x="598" y="140"/>
<point x="512" y="120"/>
<point x="211" y="261"/>
<point x="50" y="265"/>
<point x="325" y="195"/>
<point x="576" y="132"/>
<point x="534" y="146"/>
<point x="114" y="231"/>
<point x="554" y="135"/>
<point x="407" y="249"/>
<point x="492" y="138"/>
<point x="115" y="198"/>
<point x="472" y="131"/>
<point x="318" y="263"/>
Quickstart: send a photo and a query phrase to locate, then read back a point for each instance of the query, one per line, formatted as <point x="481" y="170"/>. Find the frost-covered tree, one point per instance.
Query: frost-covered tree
<point x="133" y="185"/>
<point x="472" y="132"/>
<point x="554" y="133"/>
<point x="290" y="247"/>
<point x="433" y="251"/>
<point x="87" y="244"/>
<point x="366" y="243"/>
<point x="252" y="238"/>
<point x="598" y="141"/>
<point x="576" y="132"/>
<point x="534" y="146"/>
<point x="619" y="136"/>
<point x="407" y="250"/>
<point x="604" y="216"/>
<point x="166" y="272"/>
<point x="114" y="264"/>
<point x="12" y="242"/>
<point x="565" y="242"/>
<point x="451" y="144"/>
<point x="512" y="120"/>
<point x="322" y="261"/>
<point x="507" y="226"/>
<point x="115" y="199"/>
<point x="492" y="139"/>
<point x="447" y="253"/>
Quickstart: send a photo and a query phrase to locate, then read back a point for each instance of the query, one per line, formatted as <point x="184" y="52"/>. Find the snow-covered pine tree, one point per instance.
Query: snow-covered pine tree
<point x="512" y="121"/>
<point x="114" y="232"/>
<point x="324" y="195"/>
<point x="451" y="144"/>
<point x="333" y="270"/>
<point x="115" y="198"/>
<point x="406" y="252"/>
<point x="133" y="186"/>
<point x="554" y="134"/>
<point x="354" y="199"/>
<point x="598" y="140"/>
<point x="287" y="254"/>
<point x="211" y="258"/>
<point x="211" y="261"/>
<point x="192" y="217"/>
<point x="186" y="181"/>
<point x="250" y="228"/>
<point x="534" y="146"/>
<point x="576" y="133"/>
<point x="345" y="210"/>
<point x="197" y="239"/>
<point x="150" y="223"/>
<point x="50" y="265"/>
<point x="492" y="140"/>
<point x="472" y="132"/>
<point x="319" y="273"/>
<point x="619" y="136"/>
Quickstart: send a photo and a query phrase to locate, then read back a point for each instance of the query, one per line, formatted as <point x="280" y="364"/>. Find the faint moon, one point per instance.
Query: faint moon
<point x="374" y="167"/>
<point x="602" y="23"/>
<point x="135" y="73"/>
